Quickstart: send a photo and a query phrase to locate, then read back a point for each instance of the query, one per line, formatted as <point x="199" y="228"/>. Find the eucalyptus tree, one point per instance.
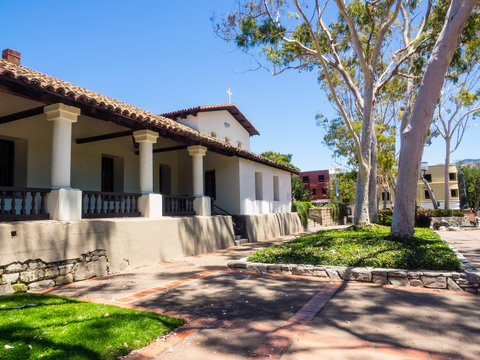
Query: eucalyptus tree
<point x="459" y="103"/>
<point x="358" y="50"/>
<point x="415" y="129"/>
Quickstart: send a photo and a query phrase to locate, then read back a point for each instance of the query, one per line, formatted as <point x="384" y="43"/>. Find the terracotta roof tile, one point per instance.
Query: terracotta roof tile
<point x="11" y="74"/>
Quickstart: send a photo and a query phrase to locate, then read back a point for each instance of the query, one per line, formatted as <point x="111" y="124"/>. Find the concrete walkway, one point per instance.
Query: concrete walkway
<point x="465" y="241"/>
<point x="242" y="315"/>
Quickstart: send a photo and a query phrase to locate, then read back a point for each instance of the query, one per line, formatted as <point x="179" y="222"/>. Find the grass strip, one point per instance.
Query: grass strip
<point x="34" y="326"/>
<point x="364" y="246"/>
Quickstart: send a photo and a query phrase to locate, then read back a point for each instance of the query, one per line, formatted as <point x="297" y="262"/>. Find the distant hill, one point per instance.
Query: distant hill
<point x="469" y="161"/>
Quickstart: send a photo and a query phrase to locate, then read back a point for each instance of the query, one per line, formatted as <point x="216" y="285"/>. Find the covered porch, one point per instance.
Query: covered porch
<point x="56" y="162"/>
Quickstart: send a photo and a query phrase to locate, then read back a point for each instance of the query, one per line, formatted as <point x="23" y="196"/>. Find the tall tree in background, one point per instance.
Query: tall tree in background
<point x="414" y="133"/>
<point x="298" y="192"/>
<point x="470" y="174"/>
<point x="356" y="51"/>
<point x="458" y="104"/>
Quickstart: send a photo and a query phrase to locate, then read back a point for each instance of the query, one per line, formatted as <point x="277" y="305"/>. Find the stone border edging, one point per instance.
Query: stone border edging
<point x="468" y="281"/>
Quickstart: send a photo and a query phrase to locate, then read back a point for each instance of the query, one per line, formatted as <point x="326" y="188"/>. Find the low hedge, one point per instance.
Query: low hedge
<point x="302" y="208"/>
<point x="423" y="217"/>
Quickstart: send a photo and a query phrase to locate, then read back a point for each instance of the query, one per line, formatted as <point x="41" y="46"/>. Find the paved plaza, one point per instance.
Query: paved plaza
<point x="243" y="315"/>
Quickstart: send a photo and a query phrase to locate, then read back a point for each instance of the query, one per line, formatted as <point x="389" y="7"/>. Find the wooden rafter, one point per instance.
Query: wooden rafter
<point x="21" y="115"/>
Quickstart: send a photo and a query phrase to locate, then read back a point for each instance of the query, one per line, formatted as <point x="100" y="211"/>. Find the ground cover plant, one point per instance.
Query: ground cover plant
<point x="40" y="326"/>
<point x="363" y="246"/>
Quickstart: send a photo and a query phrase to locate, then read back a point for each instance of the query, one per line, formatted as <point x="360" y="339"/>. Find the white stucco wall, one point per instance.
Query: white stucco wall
<point x="36" y="135"/>
<point x="226" y="179"/>
<point x="223" y="123"/>
<point x="249" y="204"/>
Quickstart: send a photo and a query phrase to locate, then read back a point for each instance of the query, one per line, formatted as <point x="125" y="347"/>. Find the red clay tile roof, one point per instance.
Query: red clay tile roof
<point x="231" y="108"/>
<point x="29" y="83"/>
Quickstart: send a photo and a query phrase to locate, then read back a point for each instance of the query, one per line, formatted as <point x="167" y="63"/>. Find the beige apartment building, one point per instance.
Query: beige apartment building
<point x="435" y="176"/>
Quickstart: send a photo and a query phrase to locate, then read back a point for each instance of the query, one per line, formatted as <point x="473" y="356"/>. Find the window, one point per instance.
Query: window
<point x="385" y="196"/>
<point x="452" y="176"/>
<point x="321" y="178"/>
<point x="453" y="192"/>
<point x="428" y="177"/>
<point x="314" y="192"/>
<point x="107" y="174"/>
<point x="276" y="192"/>
<point x="427" y="194"/>
<point x="324" y="191"/>
<point x="305" y="179"/>
<point x="210" y="184"/>
<point x="258" y="186"/>
<point x="6" y="162"/>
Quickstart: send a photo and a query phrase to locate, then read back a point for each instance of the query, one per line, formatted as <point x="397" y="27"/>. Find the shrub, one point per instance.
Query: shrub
<point x="385" y="217"/>
<point x="301" y="208"/>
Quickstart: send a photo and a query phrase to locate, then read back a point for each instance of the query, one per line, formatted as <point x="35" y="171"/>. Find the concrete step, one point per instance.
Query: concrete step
<point x="240" y="241"/>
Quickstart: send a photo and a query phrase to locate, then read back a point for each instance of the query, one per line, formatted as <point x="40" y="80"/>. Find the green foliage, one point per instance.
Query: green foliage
<point x="298" y="192"/>
<point x="385" y="217"/>
<point x="423" y="217"/>
<point x="470" y="174"/>
<point x="339" y="210"/>
<point x="302" y="208"/>
<point x="370" y="246"/>
<point x="65" y="328"/>
<point x="345" y="183"/>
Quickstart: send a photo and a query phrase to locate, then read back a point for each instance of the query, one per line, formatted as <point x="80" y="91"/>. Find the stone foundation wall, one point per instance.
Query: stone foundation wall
<point x="465" y="281"/>
<point x="322" y="216"/>
<point x="38" y="274"/>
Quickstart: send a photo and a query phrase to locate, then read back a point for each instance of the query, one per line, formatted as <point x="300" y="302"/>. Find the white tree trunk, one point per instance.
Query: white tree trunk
<point x="430" y="193"/>
<point x="447" y="174"/>
<point x="414" y="134"/>
<point x="362" y="192"/>
<point x="372" y="183"/>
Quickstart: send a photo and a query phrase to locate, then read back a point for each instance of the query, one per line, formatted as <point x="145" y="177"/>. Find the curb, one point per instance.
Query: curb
<point x="468" y="281"/>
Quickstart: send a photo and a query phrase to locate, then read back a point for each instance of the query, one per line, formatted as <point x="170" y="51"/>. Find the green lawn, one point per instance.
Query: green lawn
<point x="65" y="328"/>
<point x="362" y="246"/>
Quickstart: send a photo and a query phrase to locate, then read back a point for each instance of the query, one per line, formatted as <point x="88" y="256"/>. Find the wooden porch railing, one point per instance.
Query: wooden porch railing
<point x="19" y="203"/>
<point x="178" y="205"/>
<point x="98" y="204"/>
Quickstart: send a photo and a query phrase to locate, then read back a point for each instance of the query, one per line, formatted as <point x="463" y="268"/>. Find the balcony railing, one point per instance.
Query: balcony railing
<point x="98" y="204"/>
<point x="17" y="203"/>
<point x="178" y="205"/>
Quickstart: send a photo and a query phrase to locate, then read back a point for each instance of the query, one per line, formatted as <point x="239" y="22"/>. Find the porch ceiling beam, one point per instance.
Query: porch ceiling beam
<point x="104" y="137"/>
<point x="21" y="115"/>
<point x="165" y="149"/>
<point x="171" y="148"/>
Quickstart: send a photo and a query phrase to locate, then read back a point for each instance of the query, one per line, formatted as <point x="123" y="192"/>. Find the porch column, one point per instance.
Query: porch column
<point x="201" y="204"/>
<point x="150" y="204"/>
<point x="146" y="139"/>
<point x="62" y="117"/>
<point x="63" y="203"/>
<point x="197" y="152"/>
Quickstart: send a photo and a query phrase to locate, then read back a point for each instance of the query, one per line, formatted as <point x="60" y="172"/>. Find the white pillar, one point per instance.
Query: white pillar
<point x="197" y="152"/>
<point x="62" y="117"/>
<point x="146" y="139"/>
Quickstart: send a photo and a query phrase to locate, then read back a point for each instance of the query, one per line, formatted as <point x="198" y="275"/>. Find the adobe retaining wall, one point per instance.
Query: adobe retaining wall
<point x="469" y="280"/>
<point x="266" y="226"/>
<point x="42" y="254"/>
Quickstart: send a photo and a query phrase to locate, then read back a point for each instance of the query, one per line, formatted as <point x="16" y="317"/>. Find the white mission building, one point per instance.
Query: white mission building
<point x="81" y="172"/>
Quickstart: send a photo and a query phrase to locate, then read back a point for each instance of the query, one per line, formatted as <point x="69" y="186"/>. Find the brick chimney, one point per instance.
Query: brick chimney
<point x="11" y="56"/>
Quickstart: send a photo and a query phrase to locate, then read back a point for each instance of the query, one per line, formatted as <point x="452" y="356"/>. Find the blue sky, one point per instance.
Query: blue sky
<point x="164" y="56"/>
